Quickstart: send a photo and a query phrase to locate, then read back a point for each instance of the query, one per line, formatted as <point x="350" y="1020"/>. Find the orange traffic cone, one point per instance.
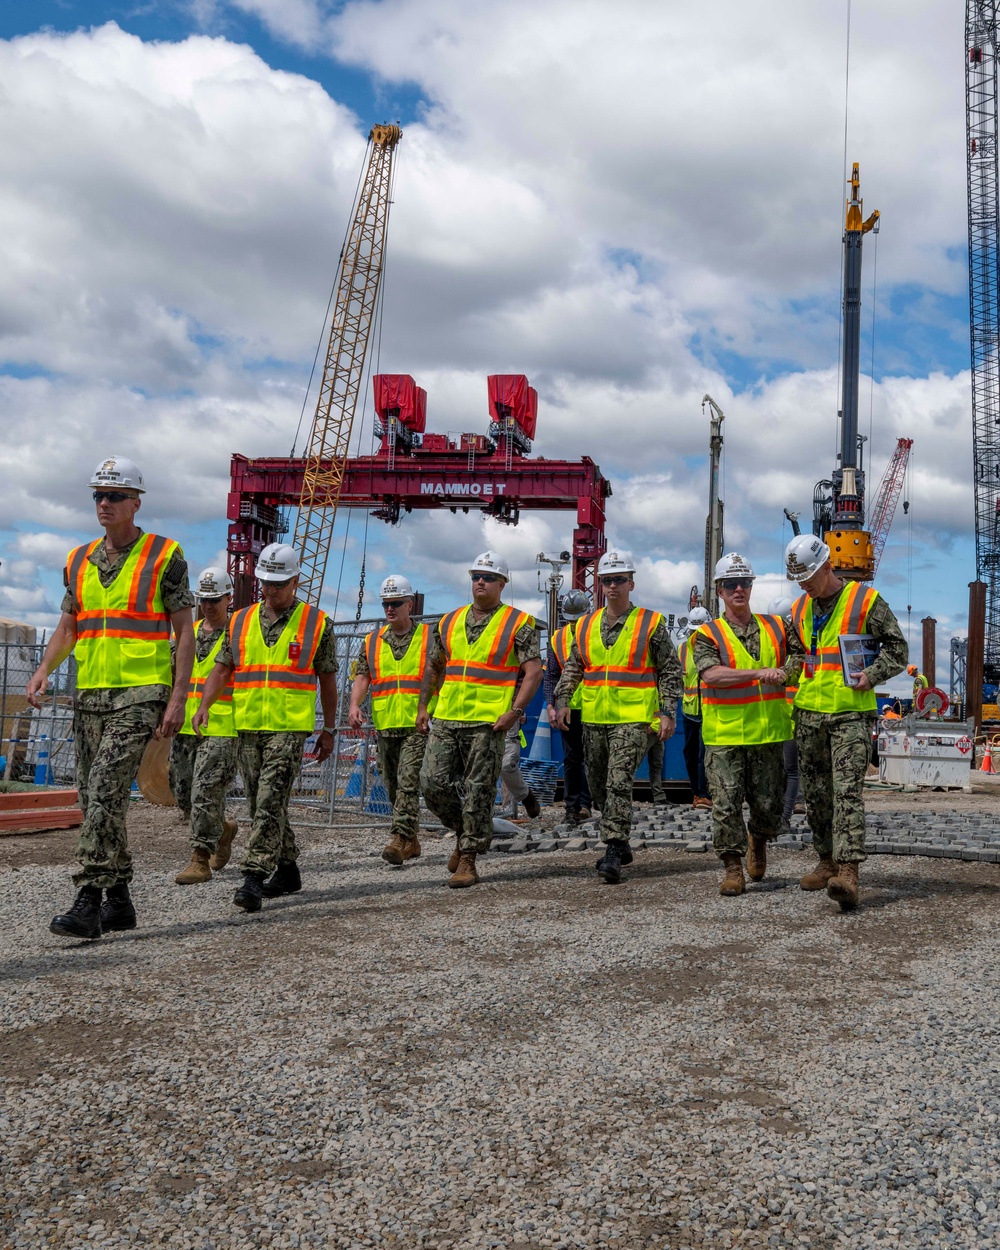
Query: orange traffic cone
<point x="987" y="764"/>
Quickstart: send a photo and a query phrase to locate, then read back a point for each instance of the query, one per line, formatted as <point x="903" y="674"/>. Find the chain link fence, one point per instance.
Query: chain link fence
<point x="36" y="744"/>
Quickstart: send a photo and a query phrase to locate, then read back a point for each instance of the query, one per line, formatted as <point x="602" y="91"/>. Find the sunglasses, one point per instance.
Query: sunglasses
<point x="488" y="578"/>
<point x="112" y="496"/>
<point x="276" y="585"/>
<point x="615" y="581"/>
<point x="393" y="603"/>
<point x="736" y="583"/>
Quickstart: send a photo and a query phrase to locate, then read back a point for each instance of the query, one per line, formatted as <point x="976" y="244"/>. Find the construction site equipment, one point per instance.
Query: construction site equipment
<point x="553" y="584"/>
<point x="713" y="525"/>
<point x="914" y="751"/>
<point x="984" y="312"/>
<point x="470" y="472"/>
<point x="887" y="497"/>
<point x="354" y="305"/>
<point x="839" y="503"/>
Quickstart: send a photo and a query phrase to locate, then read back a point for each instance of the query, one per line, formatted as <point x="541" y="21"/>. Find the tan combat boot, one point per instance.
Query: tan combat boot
<point x="222" y="852"/>
<point x="843" y="888"/>
<point x="455" y="856"/>
<point x="756" y="858"/>
<point x="197" y="871"/>
<point x="732" y="883"/>
<point x="400" y="849"/>
<point x="465" y="873"/>
<point x="820" y="875"/>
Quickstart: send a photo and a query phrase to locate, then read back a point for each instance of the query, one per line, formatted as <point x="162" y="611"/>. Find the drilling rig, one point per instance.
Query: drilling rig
<point x="839" y="502"/>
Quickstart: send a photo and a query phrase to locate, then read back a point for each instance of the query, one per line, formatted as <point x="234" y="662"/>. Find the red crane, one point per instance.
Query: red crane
<point x="889" y="490"/>
<point x="490" y="473"/>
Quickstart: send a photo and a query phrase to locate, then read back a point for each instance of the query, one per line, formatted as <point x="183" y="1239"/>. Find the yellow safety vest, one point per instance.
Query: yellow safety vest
<point x="821" y="685"/>
<point x="395" y="684"/>
<point x="274" y="688"/>
<point x="691" y="703"/>
<point x="561" y="643"/>
<point x="220" y="714"/>
<point x="619" y="683"/>
<point x="754" y="712"/>
<point x="122" y="630"/>
<point x="479" y="677"/>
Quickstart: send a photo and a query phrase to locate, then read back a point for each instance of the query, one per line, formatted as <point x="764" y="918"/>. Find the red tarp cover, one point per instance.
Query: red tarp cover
<point x="512" y="390"/>
<point x="399" y="391"/>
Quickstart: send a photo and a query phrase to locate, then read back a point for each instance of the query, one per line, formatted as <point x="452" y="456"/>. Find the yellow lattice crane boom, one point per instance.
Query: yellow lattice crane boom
<point x="350" y="329"/>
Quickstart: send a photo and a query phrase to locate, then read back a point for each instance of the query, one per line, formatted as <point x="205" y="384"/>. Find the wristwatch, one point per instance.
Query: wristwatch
<point x="327" y="729"/>
<point x="522" y="715"/>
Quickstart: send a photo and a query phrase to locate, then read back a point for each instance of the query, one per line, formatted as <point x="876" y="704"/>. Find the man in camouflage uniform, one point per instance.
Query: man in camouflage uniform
<point x="394" y="695"/>
<point x="626" y="689"/>
<point x="490" y="643"/>
<point x="124" y="595"/>
<point x="202" y="766"/>
<point x="834" y="722"/>
<point x="274" y="654"/>
<point x="745" y="723"/>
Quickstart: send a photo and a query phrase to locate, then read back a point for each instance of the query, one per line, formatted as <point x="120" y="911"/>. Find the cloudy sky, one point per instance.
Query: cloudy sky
<point x="633" y="204"/>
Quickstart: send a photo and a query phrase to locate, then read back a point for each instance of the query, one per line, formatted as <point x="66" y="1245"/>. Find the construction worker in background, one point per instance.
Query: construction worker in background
<point x="476" y="656"/>
<point x="202" y="766"/>
<point x="782" y="606"/>
<point x="834" y="721"/>
<point x="390" y="669"/>
<point x="273" y="656"/>
<point x="125" y="592"/>
<point x="694" y="746"/>
<point x="920" y="682"/>
<point x="576" y="792"/>
<point x="745" y="722"/>
<point x="625" y="659"/>
<point x="510" y="769"/>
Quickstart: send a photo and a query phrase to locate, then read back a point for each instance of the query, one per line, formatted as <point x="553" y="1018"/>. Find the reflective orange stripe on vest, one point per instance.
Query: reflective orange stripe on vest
<point x="496" y="669"/>
<point x="298" y="675"/>
<point x="630" y="674"/>
<point x="139" y="620"/>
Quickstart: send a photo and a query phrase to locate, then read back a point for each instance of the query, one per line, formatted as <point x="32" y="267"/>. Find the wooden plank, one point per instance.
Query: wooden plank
<point x="38" y="821"/>
<point x="24" y="800"/>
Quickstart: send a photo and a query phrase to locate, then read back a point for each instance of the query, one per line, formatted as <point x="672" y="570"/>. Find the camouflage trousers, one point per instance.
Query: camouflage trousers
<point x="399" y="760"/>
<point x="201" y="772"/>
<point x="459" y="780"/>
<point x="835" y="750"/>
<point x="269" y="764"/>
<point x="510" y="772"/>
<point x="611" y="754"/>
<point x="755" y="774"/>
<point x="655" y="757"/>
<point x="109" y="747"/>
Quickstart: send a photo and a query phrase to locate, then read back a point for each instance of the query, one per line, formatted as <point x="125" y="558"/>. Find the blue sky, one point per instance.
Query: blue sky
<point x="630" y="224"/>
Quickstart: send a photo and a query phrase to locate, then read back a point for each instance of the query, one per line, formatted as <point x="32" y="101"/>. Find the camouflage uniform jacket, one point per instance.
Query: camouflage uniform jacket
<point x="398" y="645"/>
<point x="526" y="647"/>
<point x="669" y="676"/>
<point x="326" y="652"/>
<point x="176" y="596"/>
<point x="881" y="624"/>
<point x="707" y="654"/>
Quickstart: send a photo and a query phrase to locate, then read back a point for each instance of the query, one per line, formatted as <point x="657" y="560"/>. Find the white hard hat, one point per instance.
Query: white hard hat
<point x="780" y="606"/>
<point x="574" y="604"/>
<point x="698" y="616"/>
<point x="733" y="564"/>
<point x="120" y="472"/>
<point x="395" y="587"/>
<point x="277" y="563"/>
<point x="490" y="562"/>
<point x="213" y="583"/>
<point x="615" y="562"/>
<point x="805" y="555"/>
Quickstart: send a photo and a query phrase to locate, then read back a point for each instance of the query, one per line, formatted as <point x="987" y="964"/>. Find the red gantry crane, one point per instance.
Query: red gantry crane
<point x="412" y="470"/>
<point x="889" y="490"/>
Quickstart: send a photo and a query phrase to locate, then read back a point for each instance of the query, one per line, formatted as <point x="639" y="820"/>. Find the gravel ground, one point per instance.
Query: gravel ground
<point x="541" y="1061"/>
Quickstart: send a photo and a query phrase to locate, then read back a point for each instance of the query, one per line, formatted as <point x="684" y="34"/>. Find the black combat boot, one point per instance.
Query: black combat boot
<point x="250" y="894"/>
<point x="284" y="880"/>
<point x="117" y="911"/>
<point x="83" y="920"/>
<point x="531" y="805"/>
<point x="624" y="853"/>
<point x="616" y="853"/>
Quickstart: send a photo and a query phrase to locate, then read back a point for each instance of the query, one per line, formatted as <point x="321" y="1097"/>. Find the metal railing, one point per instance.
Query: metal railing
<point x="36" y="744"/>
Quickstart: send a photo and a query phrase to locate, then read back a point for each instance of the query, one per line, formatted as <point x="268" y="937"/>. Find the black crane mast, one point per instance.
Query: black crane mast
<point x="984" y="305"/>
